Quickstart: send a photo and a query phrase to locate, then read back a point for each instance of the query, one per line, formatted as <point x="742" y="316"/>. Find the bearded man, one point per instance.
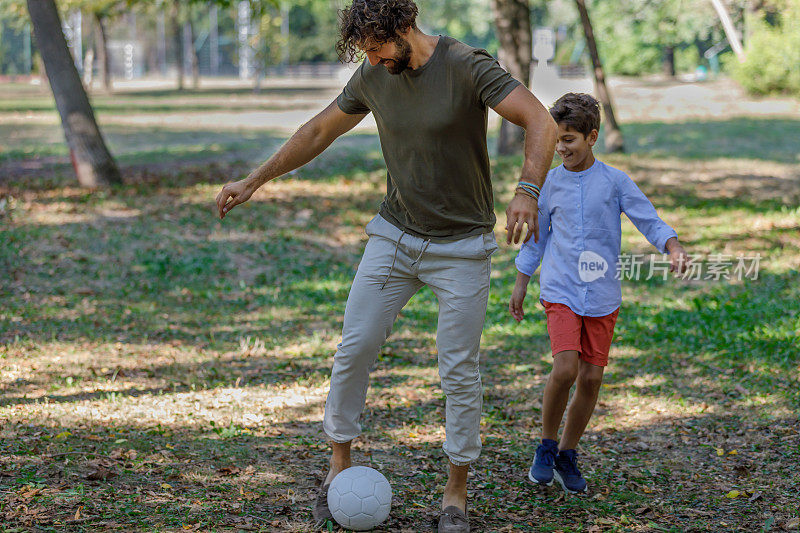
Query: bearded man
<point x="430" y="97"/>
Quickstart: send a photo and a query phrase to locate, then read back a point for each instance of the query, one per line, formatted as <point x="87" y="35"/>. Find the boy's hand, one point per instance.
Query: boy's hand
<point x="515" y="303"/>
<point x="678" y="258"/>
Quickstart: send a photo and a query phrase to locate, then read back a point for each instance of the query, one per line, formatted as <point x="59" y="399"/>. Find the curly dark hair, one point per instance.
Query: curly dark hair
<point x="376" y="21"/>
<point x="579" y="111"/>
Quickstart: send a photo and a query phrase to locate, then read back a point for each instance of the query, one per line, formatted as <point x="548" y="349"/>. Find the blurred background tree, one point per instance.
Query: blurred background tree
<point x="772" y="51"/>
<point x="190" y="38"/>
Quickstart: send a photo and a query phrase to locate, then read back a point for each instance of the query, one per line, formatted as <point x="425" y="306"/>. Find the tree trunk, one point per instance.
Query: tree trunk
<point x="668" y="62"/>
<point x="193" y="55"/>
<point x="91" y="159"/>
<point x="614" y="140"/>
<point x="513" y="22"/>
<point x="177" y="37"/>
<point x="103" y="57"/>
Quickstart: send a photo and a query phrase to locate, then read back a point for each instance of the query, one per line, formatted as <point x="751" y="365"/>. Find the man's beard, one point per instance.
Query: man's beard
<point x="400" y="62"/>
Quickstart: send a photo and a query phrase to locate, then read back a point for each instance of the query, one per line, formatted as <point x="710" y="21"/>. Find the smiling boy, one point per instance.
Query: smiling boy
<point x="579" y="216"/>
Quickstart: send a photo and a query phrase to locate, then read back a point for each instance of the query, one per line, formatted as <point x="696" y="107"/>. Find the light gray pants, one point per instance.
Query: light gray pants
<point x="395" y="265"/>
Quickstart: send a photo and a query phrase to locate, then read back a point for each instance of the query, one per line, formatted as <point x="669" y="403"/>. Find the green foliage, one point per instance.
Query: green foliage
<point x="772" y="55"/>
<point x="313" y="30"/>
<point x="469" y="21"/>
<point x="632" y="35"/>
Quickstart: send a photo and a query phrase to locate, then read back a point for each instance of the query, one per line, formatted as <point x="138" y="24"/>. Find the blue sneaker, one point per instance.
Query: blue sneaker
<point x="567" y="473"/>
<point x="541" y="471"/>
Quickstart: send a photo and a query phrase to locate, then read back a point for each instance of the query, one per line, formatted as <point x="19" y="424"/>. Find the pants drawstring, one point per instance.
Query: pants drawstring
<point x="424" y="247"/>
<point x="394" y="260"/>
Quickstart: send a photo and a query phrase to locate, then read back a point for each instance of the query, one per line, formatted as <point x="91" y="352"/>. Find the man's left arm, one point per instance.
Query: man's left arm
<point x="522" y="108"/>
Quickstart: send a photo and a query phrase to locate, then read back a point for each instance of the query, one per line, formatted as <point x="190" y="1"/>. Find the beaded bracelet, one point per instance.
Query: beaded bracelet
<point x="532" y="191"/>
<point x="529" y="184"/>
<point x="527" y="192"/>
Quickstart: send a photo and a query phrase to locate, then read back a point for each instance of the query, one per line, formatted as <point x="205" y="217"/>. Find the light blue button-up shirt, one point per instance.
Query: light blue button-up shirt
<point x="580" y="235"/>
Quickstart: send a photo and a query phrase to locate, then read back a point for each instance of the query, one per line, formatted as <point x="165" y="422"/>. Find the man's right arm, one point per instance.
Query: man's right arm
<point x="308" y="142"/>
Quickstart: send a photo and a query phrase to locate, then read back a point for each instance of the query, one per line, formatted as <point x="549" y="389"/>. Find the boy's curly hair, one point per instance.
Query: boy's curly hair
<point x="376" y="21"/>
<point x="579" y="111"/>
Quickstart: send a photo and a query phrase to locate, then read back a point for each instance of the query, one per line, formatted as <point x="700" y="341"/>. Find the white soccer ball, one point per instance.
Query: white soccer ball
<point x="359" y="498"/>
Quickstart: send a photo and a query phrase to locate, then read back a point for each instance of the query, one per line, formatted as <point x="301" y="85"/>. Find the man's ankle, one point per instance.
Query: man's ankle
<point x="336" y="466"/>
<point x="458" y="500"/>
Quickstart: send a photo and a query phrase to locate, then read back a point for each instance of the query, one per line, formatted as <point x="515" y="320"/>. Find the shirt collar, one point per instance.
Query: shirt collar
<point x="582" y="172"/>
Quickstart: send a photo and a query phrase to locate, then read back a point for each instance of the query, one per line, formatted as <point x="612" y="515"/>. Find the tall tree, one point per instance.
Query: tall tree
<point x="91" y="159"/>
<point x="177" y="38"/>
<point x="103" y="57"/>
<point x="100" y="12"/>
<point x="614" y="141"/>
<point x="188" y="44"/>
<point x="513" y="22"/>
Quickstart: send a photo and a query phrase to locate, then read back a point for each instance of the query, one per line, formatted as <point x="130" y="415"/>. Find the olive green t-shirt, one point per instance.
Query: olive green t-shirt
<point x="432" y="128"/>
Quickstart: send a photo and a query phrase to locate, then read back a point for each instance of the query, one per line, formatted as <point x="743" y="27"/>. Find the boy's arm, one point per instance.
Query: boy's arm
<point x="518" y="296"/>
<point x="528" y="259"/>
<point x="644" y="216"/>
<point x="531" y="253"/>
<point x="641" y="212"/>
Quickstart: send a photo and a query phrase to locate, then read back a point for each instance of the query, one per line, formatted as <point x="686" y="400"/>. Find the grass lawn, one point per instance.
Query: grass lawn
<point x="162" y="370"/>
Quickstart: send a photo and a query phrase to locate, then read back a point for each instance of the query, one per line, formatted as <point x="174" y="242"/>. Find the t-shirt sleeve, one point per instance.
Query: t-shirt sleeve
<point x="351" y="100"/>
<point x="492" y="82"/>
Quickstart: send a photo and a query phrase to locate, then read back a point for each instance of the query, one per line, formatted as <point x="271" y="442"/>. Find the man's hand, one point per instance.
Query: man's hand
<point x="678" y="258"/>
<point x="234" y="194"/>
<point x="515" y="303"/>
<point x="522" y="209"/>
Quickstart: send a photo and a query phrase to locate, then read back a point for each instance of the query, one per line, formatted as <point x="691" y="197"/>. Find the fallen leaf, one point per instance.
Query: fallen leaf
<point x="29" y="492"/>
<point x="166" y="486"/>
<point x="63" y="435"/>
<point x="732" y="494"/>
<point x="229" y="470"/>
<point x="117" y="453"/>
<point x="99" y="471"/>
<point x="720" y="452"/>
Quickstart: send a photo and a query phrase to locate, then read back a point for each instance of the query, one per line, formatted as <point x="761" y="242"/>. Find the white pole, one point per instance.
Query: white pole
<point x="730" y="31"/>
<point x="245" y="51"/>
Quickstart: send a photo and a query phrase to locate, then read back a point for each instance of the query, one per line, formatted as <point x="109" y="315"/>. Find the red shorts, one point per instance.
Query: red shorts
<point x="588" y="335"/>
